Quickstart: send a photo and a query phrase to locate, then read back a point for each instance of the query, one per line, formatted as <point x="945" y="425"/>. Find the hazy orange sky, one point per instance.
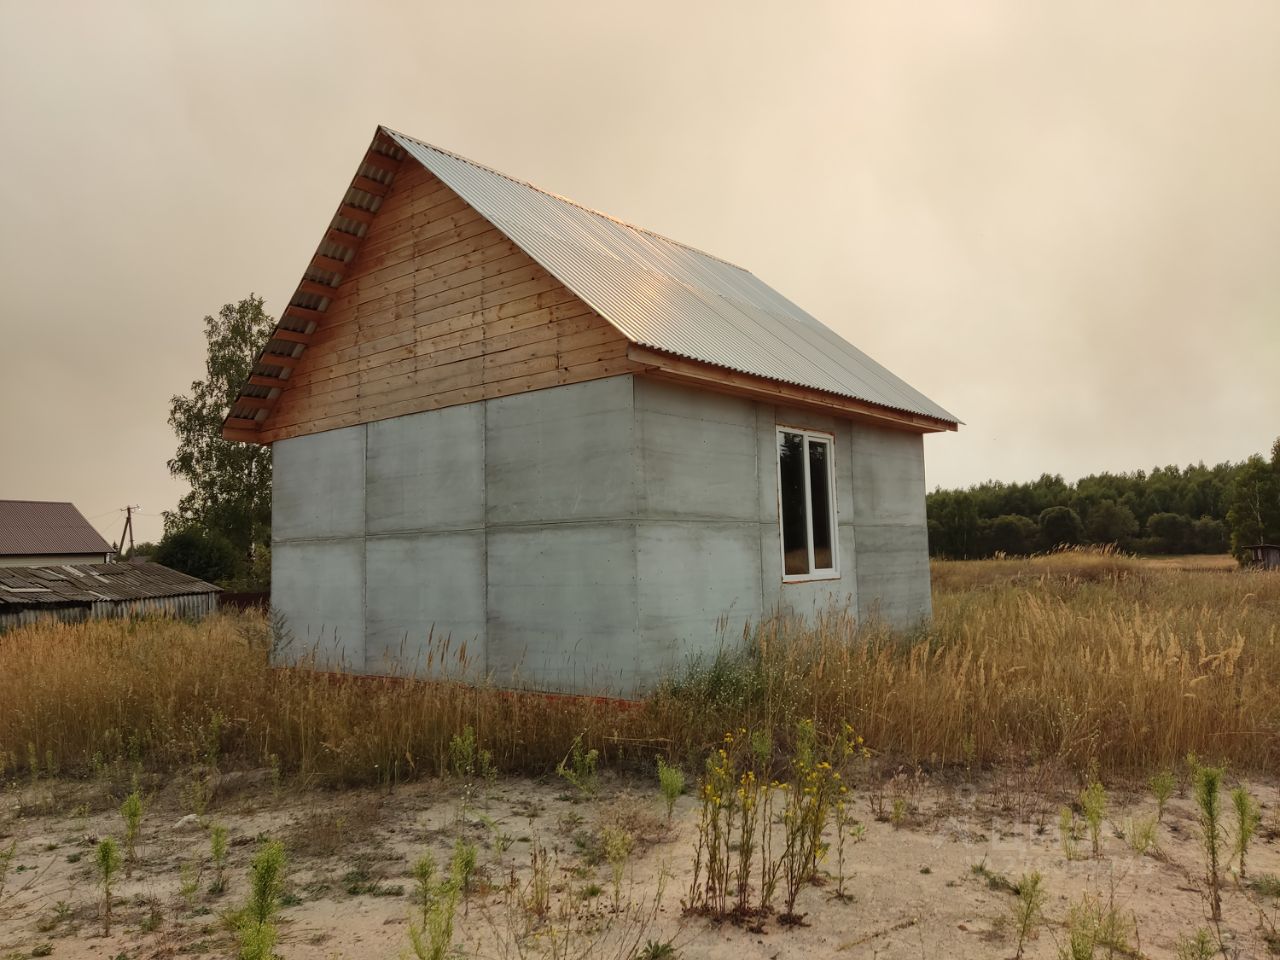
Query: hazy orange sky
<point x="1060" y="221"/>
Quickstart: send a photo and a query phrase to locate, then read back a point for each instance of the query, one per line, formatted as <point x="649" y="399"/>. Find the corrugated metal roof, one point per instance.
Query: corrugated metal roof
<point x="38" y="526"/>
<point x="90" y="582"/>
<point x="668" y="296"/>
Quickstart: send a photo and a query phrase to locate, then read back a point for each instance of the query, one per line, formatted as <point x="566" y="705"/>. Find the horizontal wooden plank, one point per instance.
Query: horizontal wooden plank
<point x="278" y="360"/>
<point x="389" y="239"/>
<point x="257" y="403"/>
<point x="331" y="264"/>
<point x="241" y="434"/>
<point x="432" y="252"/>
<point x="382" y="161"/>
<point x="370" y="186"/>
<point x="304" y="314"/>
<point x="343" y="239"/>
<point x="358" y="214"/>
<point x="318" y="289"/>
<point x="290" y="336"/>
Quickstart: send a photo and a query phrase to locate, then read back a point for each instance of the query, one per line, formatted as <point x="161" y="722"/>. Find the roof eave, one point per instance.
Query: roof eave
<point x="708" y="376"/>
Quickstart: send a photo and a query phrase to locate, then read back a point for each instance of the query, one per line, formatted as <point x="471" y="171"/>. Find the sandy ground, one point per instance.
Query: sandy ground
<point x="915" y="888"/>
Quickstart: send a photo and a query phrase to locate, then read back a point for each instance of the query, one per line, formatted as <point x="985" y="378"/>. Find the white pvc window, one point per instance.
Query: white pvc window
<point x="807" y="504"/>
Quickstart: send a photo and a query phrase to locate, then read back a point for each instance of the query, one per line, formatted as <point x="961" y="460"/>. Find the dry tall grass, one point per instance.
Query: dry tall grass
<point x="1088" y="658"/>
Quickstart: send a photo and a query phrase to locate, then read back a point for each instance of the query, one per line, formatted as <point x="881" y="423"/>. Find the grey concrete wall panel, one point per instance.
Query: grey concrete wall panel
<point x="888" y="476"/>
<point x="426" y="471"/>
<point x="562" y="606"/>
<point x="696" y="452"/>
<point x="425" y="605"/>
<point x="893" y="574"/>
<point x="318" y="486"/>
<point x="585" y="539"/>
<point x="561" y="454"/>
<point x="318" y="587"/>
<point x="698" y="585"/>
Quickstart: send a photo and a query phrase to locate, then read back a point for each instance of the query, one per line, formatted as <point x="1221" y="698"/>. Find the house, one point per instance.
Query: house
<point x="1264" y="556"/>
<point x="73" y="592"/>
<point x="517" y="438"/>
<point x="43" y="532"/>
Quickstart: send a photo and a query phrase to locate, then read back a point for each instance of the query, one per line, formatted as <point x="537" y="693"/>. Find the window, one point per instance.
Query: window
<point x="806" y="505"/>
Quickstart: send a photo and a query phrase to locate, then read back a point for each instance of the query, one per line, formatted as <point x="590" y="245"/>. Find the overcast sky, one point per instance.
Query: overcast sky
<point x="1061" y="221"/>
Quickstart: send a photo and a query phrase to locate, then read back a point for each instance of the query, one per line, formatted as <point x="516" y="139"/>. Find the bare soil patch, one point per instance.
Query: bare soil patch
<point x="935" y="883"/>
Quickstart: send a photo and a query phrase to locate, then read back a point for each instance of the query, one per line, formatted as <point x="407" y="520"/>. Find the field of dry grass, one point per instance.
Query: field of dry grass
<point x="1094" y="659"/>
<point x="1037" y="678"/>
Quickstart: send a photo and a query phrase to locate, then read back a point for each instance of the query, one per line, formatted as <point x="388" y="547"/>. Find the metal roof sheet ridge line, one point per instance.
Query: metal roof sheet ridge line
<point x="563" y="199"/>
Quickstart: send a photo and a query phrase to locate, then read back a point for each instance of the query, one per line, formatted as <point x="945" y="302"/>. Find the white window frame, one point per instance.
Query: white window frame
<point x="833" y="572"/>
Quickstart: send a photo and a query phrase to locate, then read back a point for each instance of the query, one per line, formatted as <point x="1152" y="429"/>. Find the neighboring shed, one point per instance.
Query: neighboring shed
<point x="570" y="450"/>
<point x="1264" y="555"/>
<point x="39" y="531"/>
<point x="76" y="592"/>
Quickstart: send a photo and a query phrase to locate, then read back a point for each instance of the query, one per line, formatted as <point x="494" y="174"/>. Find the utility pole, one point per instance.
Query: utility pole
<point x="128" y="526"/>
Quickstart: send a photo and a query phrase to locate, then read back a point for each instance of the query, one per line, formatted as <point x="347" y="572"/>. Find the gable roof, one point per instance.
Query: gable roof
<point x="668" y="296"/>
<point x="41" y="527"/>
<point x="90" y="582"/>
<point x="661" y="295"/>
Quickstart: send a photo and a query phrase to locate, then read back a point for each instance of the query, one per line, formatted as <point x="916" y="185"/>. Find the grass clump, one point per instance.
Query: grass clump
<point x="1068" y="833"/>
<point x="254" y="923"/>
<point x="1095" y="925"/>
<point x="579" y="768"/>
<point x="1247" y="821"/>
<point x="757" y="834"/>
<point x="671" y="783"/>
<point x="1207" y="786"/>
<point x="1267" y="884"/>
<point x="1027" y="910"/>
<point x="131" y="811"/>
<point x="1196" y="946"/>
<point x="424" y="883"/>
<point x="432" y="938"/>
<point x="1093" y="806"/>
<point x="107" y="860"/>
<point x="219" y="846"/>
<point x="1140" y="835"/>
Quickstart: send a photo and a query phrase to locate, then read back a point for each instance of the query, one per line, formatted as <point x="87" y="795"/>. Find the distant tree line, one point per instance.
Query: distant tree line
<point x="1169" y="510"/>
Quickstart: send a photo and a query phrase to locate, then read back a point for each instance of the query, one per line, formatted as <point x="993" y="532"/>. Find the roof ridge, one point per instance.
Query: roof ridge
<point x="568" y="200"/>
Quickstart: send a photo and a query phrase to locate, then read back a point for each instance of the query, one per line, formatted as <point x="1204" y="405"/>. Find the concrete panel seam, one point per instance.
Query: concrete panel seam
<point x="484" y="528"/>
<point x="575" y="522"/>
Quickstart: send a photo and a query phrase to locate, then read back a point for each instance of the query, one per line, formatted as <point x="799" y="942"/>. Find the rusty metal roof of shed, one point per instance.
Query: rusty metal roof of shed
<point x="93" y="582"/>
<point x="44" y="527"/>
<point x="668" y="296"/>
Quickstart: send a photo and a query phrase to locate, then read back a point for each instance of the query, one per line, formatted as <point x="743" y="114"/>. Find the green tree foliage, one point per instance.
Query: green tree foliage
<point x="1060" y="527"/>
<point x="198" y="552"/>
<point x="230" y="498"/>
<point x="1013" y="534"/>
<point x="1194" y="509"/>
<point x="1111" y="522"/>
<point x="1169" y="533"/>
<point x="1254" y="511"/>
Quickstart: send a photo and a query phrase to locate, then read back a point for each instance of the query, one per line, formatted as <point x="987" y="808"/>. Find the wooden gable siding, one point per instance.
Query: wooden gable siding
<point x="439" y="308"/>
